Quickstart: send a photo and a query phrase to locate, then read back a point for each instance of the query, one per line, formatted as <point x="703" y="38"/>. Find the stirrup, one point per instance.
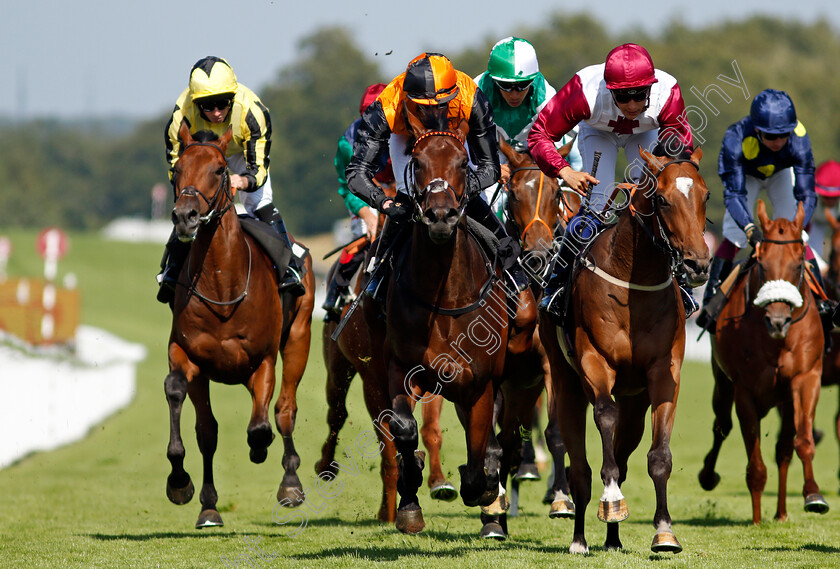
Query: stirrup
<point x="292" y="283"/>
<point x="550" y="302"/>
<point x="518" y="279"/>
<point x="374" y="284"/>
<point x="689" y="303"/>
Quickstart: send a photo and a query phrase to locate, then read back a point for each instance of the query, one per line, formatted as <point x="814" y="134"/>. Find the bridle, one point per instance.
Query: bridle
<point x="419" y="196"/>
<point x="224" y="189"/>
<point x="762" y="279"/>
<point x="536" y="219"/>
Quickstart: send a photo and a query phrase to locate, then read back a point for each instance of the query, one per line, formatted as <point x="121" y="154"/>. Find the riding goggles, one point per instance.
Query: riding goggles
<point x="626" y="95"/>
<point x="770" y="136"/>
<point x="518" y="86"/>
<point x="209" y="105"/>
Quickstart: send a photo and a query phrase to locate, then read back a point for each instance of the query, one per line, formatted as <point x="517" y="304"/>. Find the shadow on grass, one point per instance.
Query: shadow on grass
<point x="463" y="548"/>
<point x="714" y="521"/>
<point x="813" y="547"/>
<point x="201" y="534"/>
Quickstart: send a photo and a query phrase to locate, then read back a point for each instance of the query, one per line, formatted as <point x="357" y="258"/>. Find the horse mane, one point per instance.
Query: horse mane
<point x="205" y="136"/>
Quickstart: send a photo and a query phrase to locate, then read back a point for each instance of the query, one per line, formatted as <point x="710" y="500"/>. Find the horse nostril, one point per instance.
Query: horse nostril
<point x="174" y="217"/>
<point x="193" y="215"/>
<point x="451" y="215"/>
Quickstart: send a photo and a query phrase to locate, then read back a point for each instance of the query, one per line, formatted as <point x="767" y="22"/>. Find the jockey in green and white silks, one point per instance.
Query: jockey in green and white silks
<point x="517" y="92"/>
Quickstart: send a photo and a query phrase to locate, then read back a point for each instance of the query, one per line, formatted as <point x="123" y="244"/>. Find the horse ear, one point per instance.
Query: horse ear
<point x="565" y="149"/>
<point x="506" y="149"/>
<point x="762" y="214"/>
<point x="184" y="133"/>
<point x="832" y="221"/>
<point x="800" y="215"/>
<point x="226" y="138"/>
<point x="462" y="130"/>
<point x="415" y="125"/>
<point x="697" y="155"/>
<point x="654" y="164"/>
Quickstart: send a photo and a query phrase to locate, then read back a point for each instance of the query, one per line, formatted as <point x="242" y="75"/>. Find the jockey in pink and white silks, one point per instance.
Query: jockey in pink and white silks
<point x="622" y="103"/>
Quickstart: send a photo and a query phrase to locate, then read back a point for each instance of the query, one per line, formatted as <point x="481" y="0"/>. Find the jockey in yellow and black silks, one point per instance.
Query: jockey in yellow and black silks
<point x="215" y="101"/>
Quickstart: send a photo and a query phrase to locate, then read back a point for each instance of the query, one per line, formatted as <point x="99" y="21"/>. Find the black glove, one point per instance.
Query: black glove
<point x="398" y="212"/>
<point x="754" y="234"/>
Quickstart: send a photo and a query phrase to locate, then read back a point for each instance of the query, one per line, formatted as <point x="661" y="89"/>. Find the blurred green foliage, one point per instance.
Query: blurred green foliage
<point x="57" y="173"/>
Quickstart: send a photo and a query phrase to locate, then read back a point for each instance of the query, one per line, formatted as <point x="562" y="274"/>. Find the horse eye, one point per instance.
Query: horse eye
<point x="661" y="201"/>
<point x="708" y="196"/>
<point x="221" y="170"/>
<point x="464" y="164"/>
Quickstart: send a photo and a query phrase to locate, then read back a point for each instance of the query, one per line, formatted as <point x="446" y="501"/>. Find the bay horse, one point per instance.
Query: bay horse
<point x="831" y="359"/>
<point x="533" y="213"/>
<point x="445" y="324"/>
<point x="627" y="340"/>
<point x="348" y="355"/>
<point x="767" y="351"/>
<point x="228" y="324"/>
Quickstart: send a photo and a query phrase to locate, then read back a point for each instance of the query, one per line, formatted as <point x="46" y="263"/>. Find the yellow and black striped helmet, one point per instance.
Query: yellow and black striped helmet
<point x="210" y="77"/>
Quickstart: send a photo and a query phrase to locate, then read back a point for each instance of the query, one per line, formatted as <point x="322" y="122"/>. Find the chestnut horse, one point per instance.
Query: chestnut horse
<point x="228" y="324"/>
<point x="627" y="340"/>
<point x="533" y="213"/>
<point x="767" y="351"/>
<point x="446" y="324"/>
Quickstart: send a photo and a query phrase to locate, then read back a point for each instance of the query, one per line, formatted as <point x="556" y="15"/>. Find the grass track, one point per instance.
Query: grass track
<point x="100" y="503"/>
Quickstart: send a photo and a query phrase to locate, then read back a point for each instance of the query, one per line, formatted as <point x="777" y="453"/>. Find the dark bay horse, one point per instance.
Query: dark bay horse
<point x="347" y="356"/>
<point x="228" y="325"/>
<point x="767" y="351"/>
<point x="446" y="325"/>
<point x="627" y="340"/>
<point x="831" y="360"/>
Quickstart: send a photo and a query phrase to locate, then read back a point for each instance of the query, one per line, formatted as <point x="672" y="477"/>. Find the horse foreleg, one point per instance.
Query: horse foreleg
<point x="207" y="434"/>
<point x="179" y="486"/>
<point x="806" y="389"/>
<point x="784" y="454"/>
<point x="756" y="470"/>
<point x="612" y="507"/>
<point x="295" y="354"/>
<point x="261" y="387"/>
<point x="722" y="400"/>
<point x="476" y="488"/>
<point x="376" y="400"/>
<point x="403" y="427"/>
<point x="340" y="374"/>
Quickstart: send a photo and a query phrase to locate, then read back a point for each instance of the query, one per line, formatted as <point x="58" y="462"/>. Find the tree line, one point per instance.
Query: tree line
<point x="83" y="176"/>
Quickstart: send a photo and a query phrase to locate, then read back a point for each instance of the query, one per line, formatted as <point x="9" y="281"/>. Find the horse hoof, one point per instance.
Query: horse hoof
<point x="563" y="508"/>
<point x="708" y="482"/>
<point x="665" y="542"/>
<point x="613" y="512"/>
<point x="579" y="548"/>
<point x="209" y="518"/>
<point x="444" y="491"/>
<point x="410" y="521"/>
<point x="492" y="530"/>
<point x="180" y="496"/>
<point x="291" y="496"/>
<point x="258" y="455"/>
<point x="488" y="497"/>
<point x="816" y="504"/>
<point x="527" y="473"/>
<point x="498" y="507"/>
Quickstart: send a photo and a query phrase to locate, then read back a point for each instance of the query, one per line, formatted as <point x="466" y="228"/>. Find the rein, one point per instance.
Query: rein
<point x="536" y="218"/>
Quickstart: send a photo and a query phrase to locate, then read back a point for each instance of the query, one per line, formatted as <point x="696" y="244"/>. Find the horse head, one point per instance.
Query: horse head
<point x="202" y="183"/>
<point x="677" y="197"/>
<point x="781" y="269"/>
<point x="438" y="174"/>
<point x="533" y="207"/>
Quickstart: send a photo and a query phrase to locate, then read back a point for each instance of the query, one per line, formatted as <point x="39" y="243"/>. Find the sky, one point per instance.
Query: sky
<point x="99" y="58"/>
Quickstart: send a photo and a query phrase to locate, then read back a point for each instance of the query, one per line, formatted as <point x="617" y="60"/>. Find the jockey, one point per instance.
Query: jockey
<point x="767" y="150"/>
<point x="215" y="101"/>
<point x="363" y="218"/>
<point x="622" y="103"/>
<point x="517" y="92"/>
<point x="827" y="185"/>
<point x="441" y="97"/>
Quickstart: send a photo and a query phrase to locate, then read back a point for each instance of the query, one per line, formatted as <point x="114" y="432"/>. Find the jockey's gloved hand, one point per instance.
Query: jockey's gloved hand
<point x="754" y="234"/>
<point x="398" y="212"/>
<point x="473" y="185"/>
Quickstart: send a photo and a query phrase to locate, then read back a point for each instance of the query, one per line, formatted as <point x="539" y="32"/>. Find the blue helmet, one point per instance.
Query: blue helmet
<point x="772" y="112"/>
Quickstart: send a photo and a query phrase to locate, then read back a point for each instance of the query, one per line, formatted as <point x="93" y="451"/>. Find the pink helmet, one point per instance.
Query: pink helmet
<point x="371" y="93"/>
<point x="629" y="66"/>
<point x="828" y="179"/>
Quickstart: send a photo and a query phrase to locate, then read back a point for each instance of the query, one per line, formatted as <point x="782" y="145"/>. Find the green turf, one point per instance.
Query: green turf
<point x="100" y="503"/>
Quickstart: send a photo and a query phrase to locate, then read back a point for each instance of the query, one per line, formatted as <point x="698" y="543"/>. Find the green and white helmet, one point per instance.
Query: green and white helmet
<point x="513" y="59"/>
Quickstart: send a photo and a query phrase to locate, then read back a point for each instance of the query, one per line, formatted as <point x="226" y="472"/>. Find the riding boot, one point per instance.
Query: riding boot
<point x="689" y="304"/>
<point x="825" y="307"/>
<point x="173" y="259"/>
<point x="712" y="301"/>
<point x="336" y="298"/>
<point x="582" y="228"/>
<point x="508" y="250"/>
<point x="292" y="281"/>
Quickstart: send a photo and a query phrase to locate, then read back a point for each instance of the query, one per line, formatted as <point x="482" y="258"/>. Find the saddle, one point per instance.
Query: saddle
<point x="273" y="245"/>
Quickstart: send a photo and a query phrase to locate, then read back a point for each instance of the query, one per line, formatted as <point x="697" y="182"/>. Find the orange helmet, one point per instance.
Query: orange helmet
<point x="430" y="79"/>
<point x="827" y="179"/>
<point x="629" y="66"/>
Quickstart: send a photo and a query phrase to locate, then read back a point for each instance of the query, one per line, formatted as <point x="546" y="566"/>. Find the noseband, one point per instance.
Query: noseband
<point x="223" y="189"/>
<point x="779" y="290"/>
